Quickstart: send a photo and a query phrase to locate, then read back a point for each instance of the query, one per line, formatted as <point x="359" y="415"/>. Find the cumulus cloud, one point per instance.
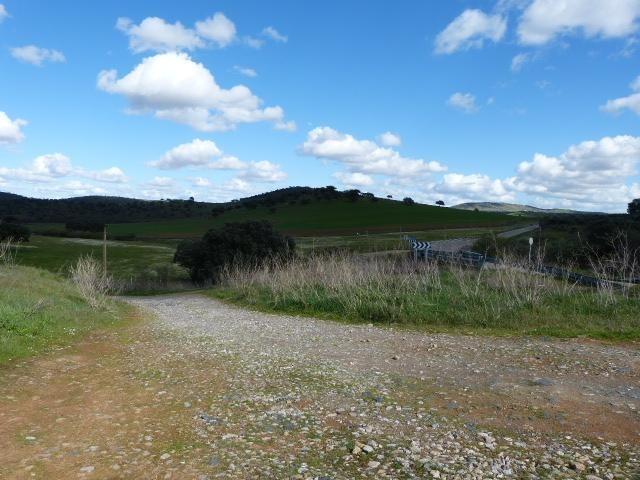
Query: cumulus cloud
<point x="54" y="166"/>
<point x="389" y="139"/>
<point x="354" y="179"/>
<point x="3" y="13"/>
<point x="630" y="102"/>
<point x="465" y="102"/>
<point x="246" y="71"/>
<point x="161" y="182"/>
<point x="195" y="153"/>
<point x="36" y="55"/>
<point x="592" y="171"/>
<point x="544" y="20"/>
<point x="11" y="130"/>
<point x="273" y="34"/>
<point x="263" y="171"/>
<point x="109" y="175"/>
<point x="200" y="182"/>
<point x="155" y="34"/>
<point x="174" y="87"/>
<point x="474" y="187"/>
<point x="218" y="29"/>
<point x="470" y="30"/>
<point x="364" y="156"/>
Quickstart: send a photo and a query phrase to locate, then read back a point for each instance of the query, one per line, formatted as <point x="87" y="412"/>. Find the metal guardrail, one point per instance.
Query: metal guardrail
<point x="478" y="260"/>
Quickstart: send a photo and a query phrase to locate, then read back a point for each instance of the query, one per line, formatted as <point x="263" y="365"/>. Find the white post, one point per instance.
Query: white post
<point x="530" y="246"/>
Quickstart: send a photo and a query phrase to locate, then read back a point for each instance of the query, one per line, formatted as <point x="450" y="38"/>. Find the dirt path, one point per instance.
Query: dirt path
<point x="205" y="390"/>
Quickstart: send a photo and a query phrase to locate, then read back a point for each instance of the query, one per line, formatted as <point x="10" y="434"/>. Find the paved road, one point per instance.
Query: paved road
<point x="465" y="243"/>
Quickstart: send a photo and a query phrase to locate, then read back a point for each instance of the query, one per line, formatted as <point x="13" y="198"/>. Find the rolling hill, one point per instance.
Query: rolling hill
<point x="325" y="217"/>
<point x="294" y="210"/>
<point x="501" y="207"/>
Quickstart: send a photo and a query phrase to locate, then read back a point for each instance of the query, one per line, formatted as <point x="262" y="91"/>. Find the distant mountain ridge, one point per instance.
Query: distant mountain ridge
<point x="502" y="207"/>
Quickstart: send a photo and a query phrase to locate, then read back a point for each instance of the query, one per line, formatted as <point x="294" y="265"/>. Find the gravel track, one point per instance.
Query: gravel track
<point x="368" y="402"/>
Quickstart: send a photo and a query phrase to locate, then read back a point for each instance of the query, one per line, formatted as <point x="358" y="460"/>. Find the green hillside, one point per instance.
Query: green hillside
<point x="324" y="217"/>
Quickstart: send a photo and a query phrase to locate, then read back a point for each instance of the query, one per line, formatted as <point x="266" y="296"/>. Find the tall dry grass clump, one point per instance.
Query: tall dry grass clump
<point x="7" y="252"/>
<point x="92" y="281"/>
<point x="618" y="270"/>
<point x="511" y="294"/>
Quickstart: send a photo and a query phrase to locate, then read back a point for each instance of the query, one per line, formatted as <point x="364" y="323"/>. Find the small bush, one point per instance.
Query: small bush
<point x="15" y="232"/>
<point x="91" y="281"/>
<point x="235" y="243"/>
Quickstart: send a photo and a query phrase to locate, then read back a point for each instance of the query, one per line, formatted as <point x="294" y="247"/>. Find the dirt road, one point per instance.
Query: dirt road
<point x="203" y="390"/>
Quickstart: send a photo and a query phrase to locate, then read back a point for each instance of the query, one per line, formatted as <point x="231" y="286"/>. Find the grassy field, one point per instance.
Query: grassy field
<point x="39" y="309"/>
<point x="328" y="217"/>
<point x="382" y="242"/>
<point x="125" y="259"/>
<point x="427" y="296"/>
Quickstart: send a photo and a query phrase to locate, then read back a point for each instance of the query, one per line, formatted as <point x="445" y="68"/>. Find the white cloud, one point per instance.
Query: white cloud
<point x="470" y="30"/>
<point x="595" y="172"/>
<point x="11" y="130"/>
<point x="246" y="71"/>
<point x="155" y="34"/>
<point x="195" y="153"/>
<point x="54" y="166"/>
<point x="543" y="20"/>
<point x="631" y="102"/>
<point x="273" y="34"/>
<point x="354" y="179"/>
<point x="474" y="187"/>
<point x="218" y="28"/>
<point x="289" y="126"/>
<point x="263" y="171"/>
<point x="227" y="162"/>
<point x="36" y="55"/>
<point x="253" y="42"/>
<point x="161" y="182"/>
<point x="389" y="139"/>
<point x="518" y="61"/>
<point x="109" y="175"/>
<point x="200" y="182"/>
<point x="174" y="87"/>
<point x="3" y="13"/>
<point x="465" y="102"/>
<point x="364" y="156"/>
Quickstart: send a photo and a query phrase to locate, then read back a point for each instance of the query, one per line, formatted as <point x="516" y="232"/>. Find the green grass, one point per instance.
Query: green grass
<point x="39" y="309"/>
<point x="125" y="259"/>
<point x="326" y="217"/>
<point x="381" y="242"/>
<point x="376" y="291"/>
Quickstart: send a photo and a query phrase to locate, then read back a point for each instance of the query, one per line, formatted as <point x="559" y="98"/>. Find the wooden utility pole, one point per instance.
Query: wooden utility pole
<point x="104" y="250"/>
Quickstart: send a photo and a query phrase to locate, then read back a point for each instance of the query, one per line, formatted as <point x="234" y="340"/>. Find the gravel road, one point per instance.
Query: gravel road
<point x="329" y="400"/>
<point x="201" y="390"/>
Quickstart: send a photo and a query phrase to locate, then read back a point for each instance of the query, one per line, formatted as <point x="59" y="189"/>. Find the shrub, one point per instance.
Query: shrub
<point x="91" y="281"/>
<point x="235" y="243"/>
<point x="408" y="201"/>
<point x="12" y="231"/>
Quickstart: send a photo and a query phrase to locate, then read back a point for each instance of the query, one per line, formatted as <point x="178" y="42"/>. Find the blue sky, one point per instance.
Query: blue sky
<point x="529" y="101"/>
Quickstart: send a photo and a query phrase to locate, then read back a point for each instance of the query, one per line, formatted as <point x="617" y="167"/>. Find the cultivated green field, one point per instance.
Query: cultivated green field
<point x="325" y="217"/>
<point x="125" y="259"/>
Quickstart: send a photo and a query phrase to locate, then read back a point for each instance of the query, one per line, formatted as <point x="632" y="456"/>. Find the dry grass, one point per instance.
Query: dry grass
<point x="92" y="282"/>
<point x="507" y="296"/>
<point x="7" y="252"/>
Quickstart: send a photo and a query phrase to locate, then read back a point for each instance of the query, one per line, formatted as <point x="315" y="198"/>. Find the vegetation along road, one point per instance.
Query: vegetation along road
<point x="205" y="390"/>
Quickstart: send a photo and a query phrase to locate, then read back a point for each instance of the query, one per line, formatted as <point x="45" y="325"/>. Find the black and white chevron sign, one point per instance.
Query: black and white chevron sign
<point x="416" y="245"/>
